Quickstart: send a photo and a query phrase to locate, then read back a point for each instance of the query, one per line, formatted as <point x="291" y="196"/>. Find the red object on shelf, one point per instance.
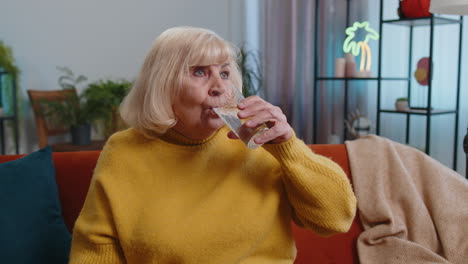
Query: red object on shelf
<point x="422" y="73"/>
<point x="414" y="8"/>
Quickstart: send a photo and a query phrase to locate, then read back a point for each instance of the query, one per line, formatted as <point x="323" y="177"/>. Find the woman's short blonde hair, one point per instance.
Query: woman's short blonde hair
<point x="148" y="105"/>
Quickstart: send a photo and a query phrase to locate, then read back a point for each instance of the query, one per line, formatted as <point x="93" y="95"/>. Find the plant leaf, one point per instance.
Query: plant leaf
<point x="67" y="71"/>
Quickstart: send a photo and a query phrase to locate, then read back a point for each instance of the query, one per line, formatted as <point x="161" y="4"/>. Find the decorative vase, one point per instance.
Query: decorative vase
<point x="401" y="105"/>
<point x="350" y="65"/>
<point x="340" y="68"/>
<point x="81" y="134"/>
<point x="414" y="8"/>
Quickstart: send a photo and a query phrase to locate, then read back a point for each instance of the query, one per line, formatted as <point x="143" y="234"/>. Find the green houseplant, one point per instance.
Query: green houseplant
<point x="68" y="80"/>
<point x="73" y="112"/>
<point x="250" y="65"/>
<point x="401" y="104"/>
<point x="104" y="97"/>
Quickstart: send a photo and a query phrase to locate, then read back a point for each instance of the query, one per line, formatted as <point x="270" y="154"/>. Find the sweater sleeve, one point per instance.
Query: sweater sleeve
<point x="95" y="239"/>
<point x="317" y="188"/>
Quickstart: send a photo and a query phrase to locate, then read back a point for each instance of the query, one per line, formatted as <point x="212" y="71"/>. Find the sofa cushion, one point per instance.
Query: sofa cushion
<point x="31" y="224"/>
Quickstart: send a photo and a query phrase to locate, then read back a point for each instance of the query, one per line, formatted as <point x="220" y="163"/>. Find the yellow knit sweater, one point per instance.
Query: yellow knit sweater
<point x="175" y="200"/>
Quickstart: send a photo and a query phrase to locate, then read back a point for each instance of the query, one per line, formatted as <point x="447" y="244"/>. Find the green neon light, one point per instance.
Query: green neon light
<point x="354" y="47"/>
<point x="351" y="45"/>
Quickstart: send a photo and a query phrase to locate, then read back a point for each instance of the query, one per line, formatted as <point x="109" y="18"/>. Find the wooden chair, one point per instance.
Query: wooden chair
<point x="46" y="127"/>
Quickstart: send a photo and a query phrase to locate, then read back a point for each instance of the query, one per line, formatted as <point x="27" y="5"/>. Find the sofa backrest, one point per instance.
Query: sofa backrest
<point x="74" y="171"/>
<point x="340" y="248"/>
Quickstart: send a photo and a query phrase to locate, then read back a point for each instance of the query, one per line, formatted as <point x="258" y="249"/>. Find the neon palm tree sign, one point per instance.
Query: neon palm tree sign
<point x="350" y="45"/>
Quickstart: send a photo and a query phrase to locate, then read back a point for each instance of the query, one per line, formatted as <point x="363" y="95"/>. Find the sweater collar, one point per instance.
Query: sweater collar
<point x="175" y="137"/>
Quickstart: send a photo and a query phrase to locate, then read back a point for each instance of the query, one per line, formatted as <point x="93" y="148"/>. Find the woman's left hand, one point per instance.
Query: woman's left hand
<point x="260" y="111"/>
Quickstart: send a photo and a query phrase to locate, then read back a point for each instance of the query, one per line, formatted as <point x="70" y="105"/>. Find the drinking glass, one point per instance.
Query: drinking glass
<point x="228" y="113"/>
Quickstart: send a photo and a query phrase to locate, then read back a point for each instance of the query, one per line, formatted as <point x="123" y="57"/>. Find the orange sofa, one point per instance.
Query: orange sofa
<point x="74" y="171"/>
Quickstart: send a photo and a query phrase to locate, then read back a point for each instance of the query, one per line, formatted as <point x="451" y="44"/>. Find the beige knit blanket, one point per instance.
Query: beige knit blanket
<point x="413" y="208"/>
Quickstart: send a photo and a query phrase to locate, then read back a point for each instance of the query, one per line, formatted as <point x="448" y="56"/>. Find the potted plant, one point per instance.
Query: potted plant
<point x="68" y="80"/>
<point x="104" y="97"/>
<point x="401" y="104"/>
<point x="250" y="65"/>
<point x="73" y="112"/>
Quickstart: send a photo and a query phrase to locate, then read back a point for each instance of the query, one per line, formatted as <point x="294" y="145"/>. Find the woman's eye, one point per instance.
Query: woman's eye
<point x="199" y="72"/>
<point x="225" y="75"/>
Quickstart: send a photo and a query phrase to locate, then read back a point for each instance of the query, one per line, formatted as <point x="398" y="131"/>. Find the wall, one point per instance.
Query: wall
<point x="99" y="39"/>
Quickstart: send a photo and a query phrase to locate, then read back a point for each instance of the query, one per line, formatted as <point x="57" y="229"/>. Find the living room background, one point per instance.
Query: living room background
<point x="98" y="39"/>
<point x="108" y="39"/>
<point x="292" y="16"/>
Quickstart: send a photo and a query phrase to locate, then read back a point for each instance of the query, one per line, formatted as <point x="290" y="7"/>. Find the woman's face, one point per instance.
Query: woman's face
<point x="202" y="90"/>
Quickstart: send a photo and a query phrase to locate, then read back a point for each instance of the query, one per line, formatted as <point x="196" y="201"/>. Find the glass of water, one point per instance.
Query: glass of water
<point x="228" y="113"/>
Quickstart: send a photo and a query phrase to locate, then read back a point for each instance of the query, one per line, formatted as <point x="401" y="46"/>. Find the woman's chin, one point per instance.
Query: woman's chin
<point x="215" y="123"/>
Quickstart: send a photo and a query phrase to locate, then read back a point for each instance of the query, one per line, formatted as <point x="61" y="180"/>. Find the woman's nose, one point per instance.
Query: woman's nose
<point x="214" y="92"/>
<point x="217" y="86"/>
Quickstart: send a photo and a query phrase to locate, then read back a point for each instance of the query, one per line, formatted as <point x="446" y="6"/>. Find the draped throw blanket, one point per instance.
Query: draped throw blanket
<point x="413" y="208"/>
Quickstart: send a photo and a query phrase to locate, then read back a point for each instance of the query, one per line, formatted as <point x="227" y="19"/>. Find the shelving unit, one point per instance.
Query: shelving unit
<point x="324" y="81"/>
<point x="13" y="118"/>
<point x="318" y="78"/>
<point x="428" y="111"/>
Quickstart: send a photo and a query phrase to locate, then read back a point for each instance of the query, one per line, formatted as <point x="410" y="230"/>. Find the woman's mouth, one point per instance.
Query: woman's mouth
<point x="212" y="113"/>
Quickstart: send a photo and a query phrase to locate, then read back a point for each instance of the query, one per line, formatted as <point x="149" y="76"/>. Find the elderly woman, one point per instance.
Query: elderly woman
<point x="177" y="187"/>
